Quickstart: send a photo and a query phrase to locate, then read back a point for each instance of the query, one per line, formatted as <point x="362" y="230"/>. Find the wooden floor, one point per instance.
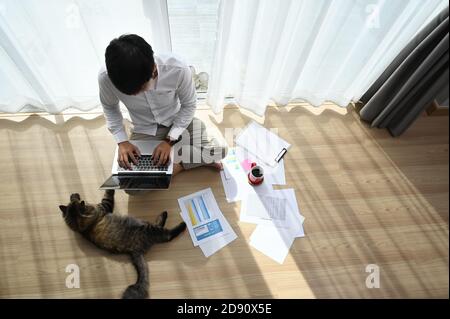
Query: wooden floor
<point x="368" y="198"/>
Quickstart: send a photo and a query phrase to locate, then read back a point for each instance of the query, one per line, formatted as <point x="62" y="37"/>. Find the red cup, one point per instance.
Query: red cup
<point x="256" y="175"/>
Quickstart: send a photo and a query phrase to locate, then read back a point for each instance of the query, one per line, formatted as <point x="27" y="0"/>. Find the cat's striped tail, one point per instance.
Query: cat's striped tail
<point x="140" y="289"/>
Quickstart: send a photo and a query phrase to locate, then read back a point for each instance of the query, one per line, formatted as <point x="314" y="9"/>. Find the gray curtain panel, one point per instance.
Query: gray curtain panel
<point x="418" y="75"/>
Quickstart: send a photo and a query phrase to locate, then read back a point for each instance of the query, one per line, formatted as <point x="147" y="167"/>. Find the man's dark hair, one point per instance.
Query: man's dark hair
<point x="129" y="61"/>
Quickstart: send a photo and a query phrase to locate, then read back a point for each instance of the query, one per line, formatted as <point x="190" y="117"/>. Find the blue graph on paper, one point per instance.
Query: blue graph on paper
<point x="199" y="209"/>
<point x="208" y="229"/>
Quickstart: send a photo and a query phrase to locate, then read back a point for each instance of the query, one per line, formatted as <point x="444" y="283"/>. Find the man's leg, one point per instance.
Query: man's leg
<point x="198" y="148"/>
<point x="161" y="133"/>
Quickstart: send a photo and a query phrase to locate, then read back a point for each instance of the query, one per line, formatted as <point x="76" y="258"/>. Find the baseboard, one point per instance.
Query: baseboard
<point x="436" y="110"/>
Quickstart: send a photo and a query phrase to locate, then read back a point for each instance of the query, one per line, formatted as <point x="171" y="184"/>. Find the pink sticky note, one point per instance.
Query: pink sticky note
<point x="246" y="164"/>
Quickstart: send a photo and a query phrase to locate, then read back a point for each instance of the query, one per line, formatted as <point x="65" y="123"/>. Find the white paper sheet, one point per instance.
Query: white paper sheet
<point x="233" y="177"/>
<point x="205" y="221"/>
<point x="272" y="242"/>
<point x="211" y="247"/>
<point x="295" y="220"/>
<point x="214" y="246"/>
<point x="274" y="208"/>
<point x="261" y="142"/>
<point x="275" y="242"/>
<point x="252" y="208"/>
<point x="265" y="209"/>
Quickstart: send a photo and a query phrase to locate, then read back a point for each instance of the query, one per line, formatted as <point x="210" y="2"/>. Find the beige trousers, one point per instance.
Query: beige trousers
<point x="196" y="147"/>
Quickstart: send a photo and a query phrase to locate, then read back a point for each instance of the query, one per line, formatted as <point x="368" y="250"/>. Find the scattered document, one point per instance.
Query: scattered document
<point x="234" y="178"/>
<point x="205" y="220"/>
<point x="214" y="246"/>
<point x="295" y="219"/>
<point x="265" y="209"/>
<point x="264" y="144"/>
<point x="272" y="242"/>
<point x="275" y="212"/>
<point x="211" y="247"/>
<point x="279" y="222"/>
<point x="206" y="224"/>
<point x="276" y="208"/>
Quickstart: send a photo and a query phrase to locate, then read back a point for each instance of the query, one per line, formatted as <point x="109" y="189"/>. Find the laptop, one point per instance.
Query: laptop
<point x="143" y="176"/>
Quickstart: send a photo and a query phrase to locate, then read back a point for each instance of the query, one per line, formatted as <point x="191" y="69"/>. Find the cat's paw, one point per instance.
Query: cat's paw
<point x="174" y="232"/>
<point x="182" y="226"/>
<point x="136" y="291"/>
<point x="110" y="192"/>
<point x="161" y="220"/>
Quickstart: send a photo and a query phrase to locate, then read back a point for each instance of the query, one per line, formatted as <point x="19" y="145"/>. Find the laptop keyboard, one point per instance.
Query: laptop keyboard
<point x="145" y="164"/>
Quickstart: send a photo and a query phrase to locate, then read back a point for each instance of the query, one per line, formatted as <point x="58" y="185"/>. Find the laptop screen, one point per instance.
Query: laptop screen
<point x="137" y="182"/>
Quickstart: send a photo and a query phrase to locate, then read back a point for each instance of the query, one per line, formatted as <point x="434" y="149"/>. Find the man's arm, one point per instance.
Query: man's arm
<point x="111" y="109"/>
<point x="188" y="100"/>
<point x="114" y="122"/>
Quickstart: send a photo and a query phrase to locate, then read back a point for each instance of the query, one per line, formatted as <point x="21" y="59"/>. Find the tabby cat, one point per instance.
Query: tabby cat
<point x="119" y="234"/>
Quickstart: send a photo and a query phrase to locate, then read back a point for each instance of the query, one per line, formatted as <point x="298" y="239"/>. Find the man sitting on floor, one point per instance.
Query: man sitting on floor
<point x="159" y="93"/>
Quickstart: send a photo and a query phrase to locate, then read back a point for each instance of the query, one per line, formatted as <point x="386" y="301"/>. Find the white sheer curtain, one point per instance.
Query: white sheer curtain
<point x="314" y="50"/>
<point x="51" y="50"/>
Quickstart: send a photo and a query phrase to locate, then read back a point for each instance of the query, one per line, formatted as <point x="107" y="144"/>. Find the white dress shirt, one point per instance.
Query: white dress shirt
<point x="170" y="101"/>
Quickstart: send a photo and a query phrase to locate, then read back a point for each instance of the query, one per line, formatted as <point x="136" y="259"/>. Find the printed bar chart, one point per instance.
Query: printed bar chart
<point x="198" y="210"/>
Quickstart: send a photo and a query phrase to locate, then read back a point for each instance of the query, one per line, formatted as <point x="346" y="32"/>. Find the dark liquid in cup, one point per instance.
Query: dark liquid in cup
<point x="256" y="172"/>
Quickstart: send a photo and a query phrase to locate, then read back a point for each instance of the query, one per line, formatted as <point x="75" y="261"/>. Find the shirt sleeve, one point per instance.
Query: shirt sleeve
<point x="111" y="109"/>
<point x="188" y="100"/>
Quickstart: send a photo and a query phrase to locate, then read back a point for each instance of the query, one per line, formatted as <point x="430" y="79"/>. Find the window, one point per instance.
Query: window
<point x="193" y="30"/>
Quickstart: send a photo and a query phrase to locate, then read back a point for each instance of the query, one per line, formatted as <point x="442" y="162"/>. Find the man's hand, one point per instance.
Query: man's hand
<point x="161" y="154"/>
<point x="128" y="151"/>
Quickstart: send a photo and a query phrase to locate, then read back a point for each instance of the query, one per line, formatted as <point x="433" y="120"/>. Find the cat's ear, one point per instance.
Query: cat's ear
<point x="83" y="205"/>
<point x="63" y="208"/>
